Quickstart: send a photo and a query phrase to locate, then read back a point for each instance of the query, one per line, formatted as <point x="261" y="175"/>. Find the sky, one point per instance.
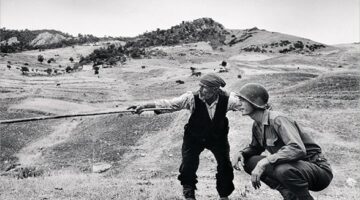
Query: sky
<point x="326" y="21"/>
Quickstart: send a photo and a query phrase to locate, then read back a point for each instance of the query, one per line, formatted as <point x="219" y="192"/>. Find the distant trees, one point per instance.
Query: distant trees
<point x="71" y="59"/>
<point x="287" y="47"/>
<point x="204" y="29"/>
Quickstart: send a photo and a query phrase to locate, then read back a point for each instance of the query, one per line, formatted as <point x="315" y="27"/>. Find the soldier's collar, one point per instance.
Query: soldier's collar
<point x="265" y="118"/>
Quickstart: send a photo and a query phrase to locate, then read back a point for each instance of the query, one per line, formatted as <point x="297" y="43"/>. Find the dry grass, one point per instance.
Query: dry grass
<point x="144" y="151"/>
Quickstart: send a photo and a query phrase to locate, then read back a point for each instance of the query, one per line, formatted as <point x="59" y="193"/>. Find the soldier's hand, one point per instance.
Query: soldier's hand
<point x="137" y="109"/>
<point x="257" y="172"/>
<point x="238" y="158"/>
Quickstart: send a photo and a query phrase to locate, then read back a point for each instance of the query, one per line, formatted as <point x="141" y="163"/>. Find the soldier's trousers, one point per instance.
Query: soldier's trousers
<point x="298" y="177"/>
<point x="191" y="150"/>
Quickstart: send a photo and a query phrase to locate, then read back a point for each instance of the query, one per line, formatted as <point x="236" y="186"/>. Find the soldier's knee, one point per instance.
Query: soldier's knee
<point x="285" y="171"/>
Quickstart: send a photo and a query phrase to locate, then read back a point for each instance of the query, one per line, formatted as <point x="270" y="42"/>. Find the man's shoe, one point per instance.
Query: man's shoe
<point x="189" y="192"/>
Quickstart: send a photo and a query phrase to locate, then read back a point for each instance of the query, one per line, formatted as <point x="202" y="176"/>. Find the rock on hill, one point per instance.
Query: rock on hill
<point x="20" y="40"/>
<point x="47" y="38"/>
<point x="10" y="41"/>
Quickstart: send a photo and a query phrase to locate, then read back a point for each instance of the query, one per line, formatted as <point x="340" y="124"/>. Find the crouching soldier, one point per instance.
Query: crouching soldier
<point x="295" y="164"/>
<point x="207" y="128"/>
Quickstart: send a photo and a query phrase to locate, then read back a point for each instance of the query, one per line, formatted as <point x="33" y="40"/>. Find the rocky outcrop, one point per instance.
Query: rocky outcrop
<point x="47" y="38"/>
<point x="10" y="41"/>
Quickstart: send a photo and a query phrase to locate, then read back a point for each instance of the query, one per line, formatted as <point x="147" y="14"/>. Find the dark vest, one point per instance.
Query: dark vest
<point x="200" y="125"/>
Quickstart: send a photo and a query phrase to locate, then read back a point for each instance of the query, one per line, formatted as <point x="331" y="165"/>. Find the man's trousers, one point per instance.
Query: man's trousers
<point x="191" y="150"/>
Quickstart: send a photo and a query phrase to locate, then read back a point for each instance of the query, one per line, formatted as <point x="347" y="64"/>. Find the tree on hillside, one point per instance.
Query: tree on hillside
<point x="24" y="70"/>
<point x="96" y="69"/>
<point x="48" y="71"/>
<point x="40" y="58"/>
<point x="71" y="59"/>
<point x="68" y="69"/>
<point x="51" y="60"/>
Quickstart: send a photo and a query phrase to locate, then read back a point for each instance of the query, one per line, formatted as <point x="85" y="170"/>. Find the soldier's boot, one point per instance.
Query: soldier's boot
<point x="189" y="192"/>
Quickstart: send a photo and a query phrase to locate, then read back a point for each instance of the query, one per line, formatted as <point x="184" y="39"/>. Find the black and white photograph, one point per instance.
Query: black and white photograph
<point x="179" y="100"/>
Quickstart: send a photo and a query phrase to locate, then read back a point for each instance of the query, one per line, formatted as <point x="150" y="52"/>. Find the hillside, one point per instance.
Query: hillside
<point x="21" y="40"/>
<point x="262" y="41"/>
<point x="211" y="32"/>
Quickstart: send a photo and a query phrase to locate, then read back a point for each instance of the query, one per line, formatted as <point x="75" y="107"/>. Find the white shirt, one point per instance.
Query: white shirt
<point x="187" y="101"/>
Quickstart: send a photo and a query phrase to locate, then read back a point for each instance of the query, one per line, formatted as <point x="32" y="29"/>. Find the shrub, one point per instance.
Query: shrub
<point x="48" y="71"/>
<point x="24" y="70"/>
<point x="51" y="60"/>
<point x="299" y="45"/>
<point x="76" y="66"/>
<point x="40" y="58"/>
<point x="68" y="69"/>
<point x="96" y="68"/>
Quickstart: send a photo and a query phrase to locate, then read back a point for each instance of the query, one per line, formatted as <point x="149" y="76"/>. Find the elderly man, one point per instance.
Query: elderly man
<point x="207" y="128"/>
<point x="295" y="164"/>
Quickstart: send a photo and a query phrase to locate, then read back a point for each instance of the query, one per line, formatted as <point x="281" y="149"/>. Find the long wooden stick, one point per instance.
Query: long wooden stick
<point x="10" y="121"/>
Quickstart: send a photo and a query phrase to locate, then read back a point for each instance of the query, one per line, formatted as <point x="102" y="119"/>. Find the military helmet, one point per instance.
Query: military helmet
<point x="255" y="94"/>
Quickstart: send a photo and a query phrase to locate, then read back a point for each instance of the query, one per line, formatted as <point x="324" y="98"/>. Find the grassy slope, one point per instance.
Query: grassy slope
<point x="145" y="160"/>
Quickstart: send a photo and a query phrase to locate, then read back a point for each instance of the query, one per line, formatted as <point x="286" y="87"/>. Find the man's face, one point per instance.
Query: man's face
<point x="246" y="107"/>
<point x="207" y="92"/>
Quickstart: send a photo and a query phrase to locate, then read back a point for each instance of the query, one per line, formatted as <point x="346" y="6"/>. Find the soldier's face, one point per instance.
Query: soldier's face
<point x="246" y="107"/>
<point x="207" y="92"/>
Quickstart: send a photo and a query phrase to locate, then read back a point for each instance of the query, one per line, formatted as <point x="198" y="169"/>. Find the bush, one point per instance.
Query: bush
<point x="40" y="58"/>
<point x="24" y="70"/>
<point x="48" y="71"/>
<point x="68" y="69"/>
<point x="51" y="60"/>
<point x="96" y="69"/>
<point x="299" y="45"/>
